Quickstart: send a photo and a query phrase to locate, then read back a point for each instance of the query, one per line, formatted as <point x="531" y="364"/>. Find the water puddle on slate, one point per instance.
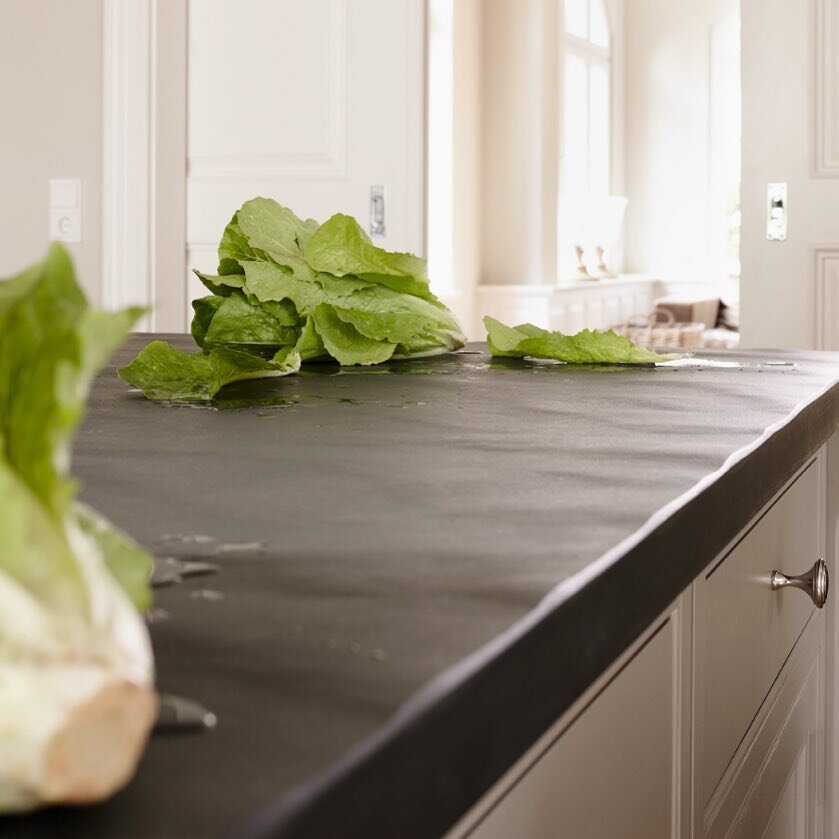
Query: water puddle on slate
<point x="716" y="363"/>
<point x="169" y="570"/>
<point x="179" y="714"/>
<point x="208" y="594"/>
<point x="691" y="363"/>
<point x="188" y="538"/>
<point x="238" y="547"/>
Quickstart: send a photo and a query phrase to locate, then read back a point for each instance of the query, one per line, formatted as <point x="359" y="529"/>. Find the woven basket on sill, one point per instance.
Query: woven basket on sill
<point x="651" y="331"/>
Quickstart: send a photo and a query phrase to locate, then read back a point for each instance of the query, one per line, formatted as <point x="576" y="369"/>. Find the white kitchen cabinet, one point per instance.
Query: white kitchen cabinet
<point x="613" y="765"/>
<point x="712" y="724"/>
<point x="758" y="723"/>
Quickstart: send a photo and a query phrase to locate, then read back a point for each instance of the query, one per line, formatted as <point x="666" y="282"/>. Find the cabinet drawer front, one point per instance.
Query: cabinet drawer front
<point x="744" y="630"/>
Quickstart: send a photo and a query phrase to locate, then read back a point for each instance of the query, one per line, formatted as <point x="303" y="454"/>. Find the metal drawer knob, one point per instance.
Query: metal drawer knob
<point x="815" y="582"/>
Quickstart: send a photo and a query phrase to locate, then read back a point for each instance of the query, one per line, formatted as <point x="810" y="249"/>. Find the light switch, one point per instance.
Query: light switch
<point x="65" y="210"/>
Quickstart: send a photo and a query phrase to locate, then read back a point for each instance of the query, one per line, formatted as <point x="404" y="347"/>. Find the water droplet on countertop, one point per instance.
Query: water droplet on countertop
<point x="177" y="713"/>
<point x="157" y="615"/>
<point x="238" y="547"/>
<point x="378" y="655"/>
<point x="188" y="538"/>
<point x="206" y="594"/>
<point x="169" y="570"/>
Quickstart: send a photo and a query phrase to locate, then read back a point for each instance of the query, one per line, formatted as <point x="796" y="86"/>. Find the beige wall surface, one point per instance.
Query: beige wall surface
<point x="519" y="142"/>
<point x="667" y="73"/>
<point x="51" y="126"/>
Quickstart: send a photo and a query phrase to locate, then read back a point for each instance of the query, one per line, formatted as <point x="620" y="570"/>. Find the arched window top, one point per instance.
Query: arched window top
<point x="587" y="20"/>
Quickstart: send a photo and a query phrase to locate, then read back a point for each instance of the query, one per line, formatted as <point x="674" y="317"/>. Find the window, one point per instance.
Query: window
<point x="588" y="218"/>
<point x="586" y="103"/>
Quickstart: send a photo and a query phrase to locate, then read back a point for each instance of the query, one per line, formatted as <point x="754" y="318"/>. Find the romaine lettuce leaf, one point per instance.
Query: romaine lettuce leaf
<point x="238" y="322"/>
<point x="345" y="343"/>
<point x="324" y="290"/>
<point x="163" y="372"/>
<point x="51" y="346"/>
<point x="340" y="247"/>
<point x="586" y="347"/>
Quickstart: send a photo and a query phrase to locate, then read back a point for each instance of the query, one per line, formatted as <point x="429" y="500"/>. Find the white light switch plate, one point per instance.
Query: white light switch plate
<point x="65" y="210"/>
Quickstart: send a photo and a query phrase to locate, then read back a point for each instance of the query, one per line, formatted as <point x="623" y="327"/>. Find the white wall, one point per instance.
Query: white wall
<point x="51" y="100"/>
<point x="667" y="50"/>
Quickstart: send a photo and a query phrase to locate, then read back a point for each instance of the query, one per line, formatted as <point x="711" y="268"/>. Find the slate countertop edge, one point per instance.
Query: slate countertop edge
<point x="418" y="775"/>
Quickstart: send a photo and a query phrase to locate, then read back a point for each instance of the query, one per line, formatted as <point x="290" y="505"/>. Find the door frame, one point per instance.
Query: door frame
<point x="144" y="159"/>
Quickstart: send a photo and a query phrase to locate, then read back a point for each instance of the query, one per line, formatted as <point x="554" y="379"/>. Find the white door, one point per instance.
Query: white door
<point x="790" y="64"/>
<point x="309" y="102"/>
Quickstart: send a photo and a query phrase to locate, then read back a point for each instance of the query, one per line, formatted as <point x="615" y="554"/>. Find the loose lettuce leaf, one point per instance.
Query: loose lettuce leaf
<point x="51" y="346"/>
<point x="586" y="347"/>
<point x="163" y="372"/>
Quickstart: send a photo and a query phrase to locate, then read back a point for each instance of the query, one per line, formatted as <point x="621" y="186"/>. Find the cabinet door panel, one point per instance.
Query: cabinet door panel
<point x="612" y="770"/>
<point x="789" y="821"/>
<point x="744" y="630"/>
<point x="774" y="788"/>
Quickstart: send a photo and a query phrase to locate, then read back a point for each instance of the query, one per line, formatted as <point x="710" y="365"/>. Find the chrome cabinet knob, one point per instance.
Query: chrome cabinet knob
<point x="815" y="582"/>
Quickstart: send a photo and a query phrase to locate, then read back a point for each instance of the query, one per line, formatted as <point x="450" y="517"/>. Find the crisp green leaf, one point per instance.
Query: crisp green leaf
<point x="345" y="343"/>
<point x="273" y="228"/>
<point x="130" y="565"/>
<point x="238" y="322"/>
<point x="268" y="282"/>
<point x="232" y="249"/>
<point x="586" y="347"/>
<point x="283" y="281"/>
<point x="221" y="286"/>
<point x="163" y="372"/>
<point x="277" y="233"/>
<point x="205" y="309"/>
<point x="309" y="345"/>
<point x="340" y="247"/>
<point x="51" y="346"/>
<point x="34" y="550"/>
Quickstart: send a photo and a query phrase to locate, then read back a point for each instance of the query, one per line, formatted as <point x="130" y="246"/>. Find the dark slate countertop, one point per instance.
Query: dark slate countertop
<point x="422" y="566"/>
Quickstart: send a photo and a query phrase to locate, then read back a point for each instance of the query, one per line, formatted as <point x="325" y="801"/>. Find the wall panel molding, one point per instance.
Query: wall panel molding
<point x="826" y="272"/>
<point x="826" y="106"/>
<point x="328" y="163"/>
<point x="144" y="158"/>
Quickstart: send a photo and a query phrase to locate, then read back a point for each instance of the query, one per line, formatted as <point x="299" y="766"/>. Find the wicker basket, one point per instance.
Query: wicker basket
<point x="660" y="329"/>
